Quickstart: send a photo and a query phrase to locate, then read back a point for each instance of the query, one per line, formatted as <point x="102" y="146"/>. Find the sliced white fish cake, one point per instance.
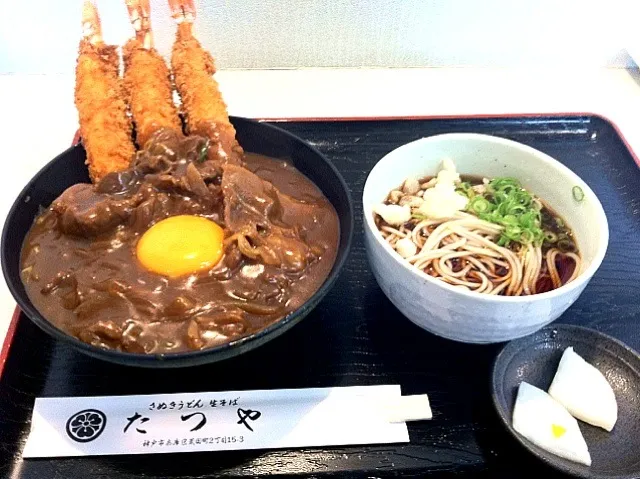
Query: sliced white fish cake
<point x="584" y="391"/>
<point x="547" y="424"/>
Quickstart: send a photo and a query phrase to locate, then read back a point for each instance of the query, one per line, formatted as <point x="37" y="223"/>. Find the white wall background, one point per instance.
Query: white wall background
<point x="40" y="36"/>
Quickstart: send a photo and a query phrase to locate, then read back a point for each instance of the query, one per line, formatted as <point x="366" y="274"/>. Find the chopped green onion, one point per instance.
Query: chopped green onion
<point x="513" y="232"/>
<point x="509" y="220"/>
<point x="504" y="184"/>
<point x="507" y="204"/>
<point x="578" y="194"/>
<point x="550" y="237"/>
<point x="527" y="236"/>
<point x="503" y="241"/>
<point x="479" y="205"/>
<point x="538" y="236"/>
<point x="465" y="189"/>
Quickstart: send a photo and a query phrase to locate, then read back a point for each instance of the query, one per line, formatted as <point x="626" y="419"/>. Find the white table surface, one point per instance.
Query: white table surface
<point x="38" y="117"/>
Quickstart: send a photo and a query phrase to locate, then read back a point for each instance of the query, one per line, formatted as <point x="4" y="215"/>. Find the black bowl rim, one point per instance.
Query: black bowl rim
<point x="497" y="376"/>
<point x="188" y="357"/>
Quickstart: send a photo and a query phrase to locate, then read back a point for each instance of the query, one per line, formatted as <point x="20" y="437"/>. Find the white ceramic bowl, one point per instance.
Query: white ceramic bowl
<point x="463" y="315"/>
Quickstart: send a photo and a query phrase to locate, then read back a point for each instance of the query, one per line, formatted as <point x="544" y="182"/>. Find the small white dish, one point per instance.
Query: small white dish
<point x="463" y="315"/>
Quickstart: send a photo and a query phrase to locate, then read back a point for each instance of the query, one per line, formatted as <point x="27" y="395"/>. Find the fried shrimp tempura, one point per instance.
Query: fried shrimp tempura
<point x="147" y="79"/>
<point x="148" y="84"/>
<point x="104" y="126"/>
<point x="193" y="68"/>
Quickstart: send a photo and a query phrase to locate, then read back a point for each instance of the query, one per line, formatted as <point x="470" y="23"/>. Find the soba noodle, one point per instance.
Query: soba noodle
<point x="464" y="250"/>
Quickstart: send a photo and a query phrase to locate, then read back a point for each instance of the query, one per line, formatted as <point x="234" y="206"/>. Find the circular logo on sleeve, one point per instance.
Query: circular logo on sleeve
<point x="87" y="425"/>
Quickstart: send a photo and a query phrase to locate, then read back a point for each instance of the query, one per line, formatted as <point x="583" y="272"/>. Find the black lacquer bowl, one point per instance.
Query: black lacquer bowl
<point x="535" y="358"/>
<point x="68" y="168"/>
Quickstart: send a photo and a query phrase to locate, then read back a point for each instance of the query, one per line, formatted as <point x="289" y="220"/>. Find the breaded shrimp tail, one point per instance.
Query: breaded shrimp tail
<point x="147" y="79"/>
<point x="202" y="103"/>
<point x="104" y="126"/>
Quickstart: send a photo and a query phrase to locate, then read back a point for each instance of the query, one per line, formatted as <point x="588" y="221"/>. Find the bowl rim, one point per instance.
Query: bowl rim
<point x="550" y="162"/>
<point x="185" y="356"/>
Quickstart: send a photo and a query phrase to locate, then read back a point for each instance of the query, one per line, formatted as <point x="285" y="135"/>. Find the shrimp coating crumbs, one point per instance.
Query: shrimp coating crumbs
<point x="147" y="78"/>
<point x="148" y="84"/>
<point x="105" y="128"/>
<point x="205" y="110"/>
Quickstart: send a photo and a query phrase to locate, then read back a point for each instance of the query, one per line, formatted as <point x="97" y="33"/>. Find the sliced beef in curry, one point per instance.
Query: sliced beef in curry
<point x="80" y="268"/>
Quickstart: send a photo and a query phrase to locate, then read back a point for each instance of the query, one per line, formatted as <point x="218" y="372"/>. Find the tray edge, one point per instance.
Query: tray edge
<point x="8" y="340"/>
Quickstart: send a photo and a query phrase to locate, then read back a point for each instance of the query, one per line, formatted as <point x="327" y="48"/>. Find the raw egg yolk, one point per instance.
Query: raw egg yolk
<point x="181" y="245"/>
